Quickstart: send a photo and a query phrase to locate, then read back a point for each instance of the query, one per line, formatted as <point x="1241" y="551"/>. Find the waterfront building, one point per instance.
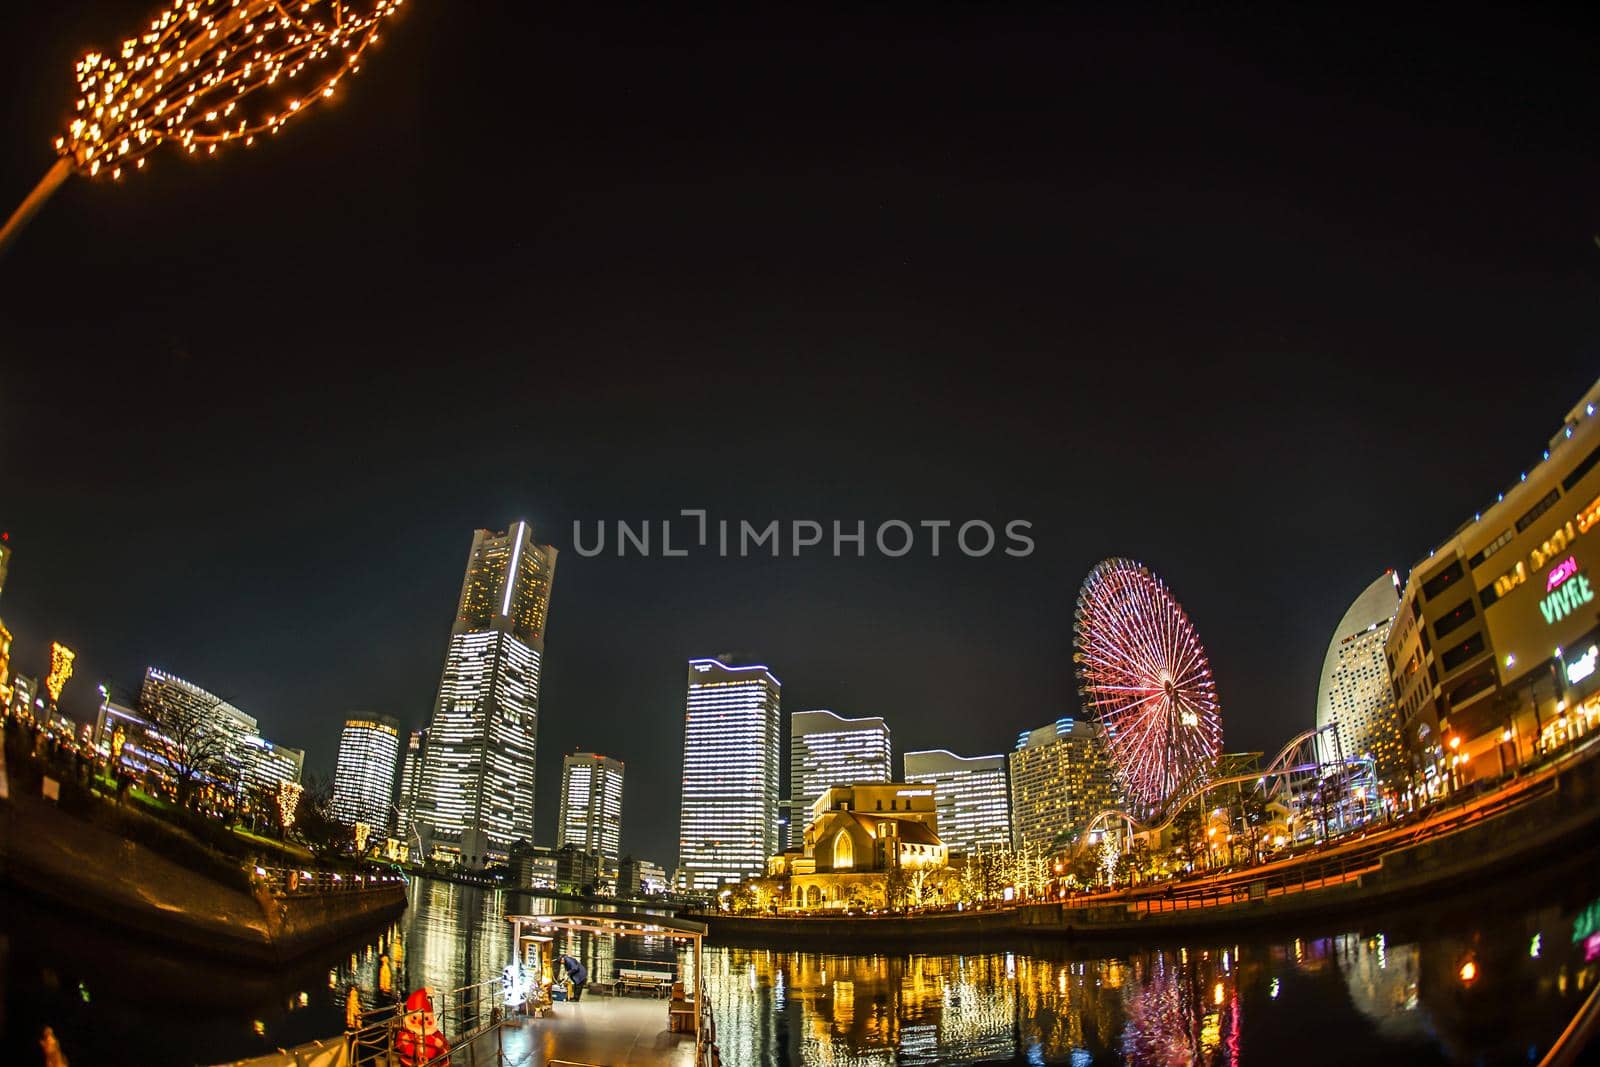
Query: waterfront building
<point x="640" y="878"/>
<point x="477" y="790"/>
<point x="533" y="866"/>
<point x="591" y="805"/>
<point x="1494" y="652"/>
<point x="826" y="750"/>
<point x="577" y="869"/>
<point x="246" y="758"/>
<point x="1355" y="689"/>
<point x="363" y="776"/>
<point x="1060" y="780"/>
<point x="863" y="845"/>
<point x="970" y="793"/>
<point x="410" y="782"/>
<point x="728" y="813"/>
<point x="5" y="666"/>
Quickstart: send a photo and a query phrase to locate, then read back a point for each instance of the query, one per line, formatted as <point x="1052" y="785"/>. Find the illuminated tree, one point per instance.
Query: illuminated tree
<point x="61" y="658"/>
<point x="204" y="74"/>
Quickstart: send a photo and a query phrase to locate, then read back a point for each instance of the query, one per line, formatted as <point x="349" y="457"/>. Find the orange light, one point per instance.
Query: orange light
<point x="1455" y="742"/>
<point x="1469" y="972"/>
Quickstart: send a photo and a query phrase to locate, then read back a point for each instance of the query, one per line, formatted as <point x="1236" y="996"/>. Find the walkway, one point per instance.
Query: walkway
<point x="606" y="1031"/>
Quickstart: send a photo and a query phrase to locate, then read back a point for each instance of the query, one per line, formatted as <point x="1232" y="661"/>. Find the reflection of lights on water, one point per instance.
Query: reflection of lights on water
<point x="1535" y="945"/>
<point x="1081" y="1057"/>
<point x="1273" y="992"/>
<point x="1383" y="953"/>
<point x="1226" y="967"/>
<point x="1469" y="971"/>
<point x="304" y="1000"/>
<point x="1216" y="994"/>
<point x="259" y="1027"/>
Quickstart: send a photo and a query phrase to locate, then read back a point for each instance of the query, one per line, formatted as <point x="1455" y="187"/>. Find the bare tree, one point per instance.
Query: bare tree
<point x="188" y="742"/>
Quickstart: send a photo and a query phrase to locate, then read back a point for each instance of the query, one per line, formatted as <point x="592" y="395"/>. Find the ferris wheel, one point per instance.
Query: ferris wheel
<point x="1143" y="674"/>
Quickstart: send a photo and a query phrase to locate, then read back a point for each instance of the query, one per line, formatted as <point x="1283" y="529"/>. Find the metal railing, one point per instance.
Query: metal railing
<point x="287" y="881"/>
<point x="463" y="1017"/>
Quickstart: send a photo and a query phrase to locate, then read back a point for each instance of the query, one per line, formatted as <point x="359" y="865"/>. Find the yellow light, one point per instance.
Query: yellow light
<point x="61" y="658"/>
<point x="1469" y="972"/>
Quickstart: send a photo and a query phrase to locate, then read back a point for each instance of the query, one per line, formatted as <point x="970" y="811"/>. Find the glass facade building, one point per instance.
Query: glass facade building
<point x="363" y="777"/>
<point x="476" y="795"/>
<point x="410" y="783"/>
<point x="728" y="818"/>
<point x="826" y="750"/>
<point x="591" y="806"/>
<point x="251" y="760"/>
<point x="1354" y="692"/>
<point x="970" y="793"/>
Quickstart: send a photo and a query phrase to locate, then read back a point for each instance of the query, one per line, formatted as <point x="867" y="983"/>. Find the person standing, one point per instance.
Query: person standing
<point x="577" y="974"/>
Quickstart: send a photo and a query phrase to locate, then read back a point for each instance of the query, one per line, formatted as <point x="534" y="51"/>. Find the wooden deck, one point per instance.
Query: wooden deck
<point x="597" y="1031"/>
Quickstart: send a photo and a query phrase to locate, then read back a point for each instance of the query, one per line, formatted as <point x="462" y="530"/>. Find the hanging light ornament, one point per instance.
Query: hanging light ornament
<point x="204" y="74"/>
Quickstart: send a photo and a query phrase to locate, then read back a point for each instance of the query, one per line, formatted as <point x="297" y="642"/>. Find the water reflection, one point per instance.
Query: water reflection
<point x="1392" y="993"/>
<point x="1384" y="996"/>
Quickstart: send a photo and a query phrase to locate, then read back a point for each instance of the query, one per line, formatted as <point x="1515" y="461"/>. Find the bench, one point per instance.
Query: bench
<point x="653" y="982"/>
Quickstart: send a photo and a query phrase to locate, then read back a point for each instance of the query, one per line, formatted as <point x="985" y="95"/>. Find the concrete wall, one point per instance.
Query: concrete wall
<point x="75" y="865"/>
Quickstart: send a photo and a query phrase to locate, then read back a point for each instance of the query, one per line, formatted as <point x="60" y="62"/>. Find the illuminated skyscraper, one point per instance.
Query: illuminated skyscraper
<point x="410" y="783"/>
<point x="363" y="777"/>
<point x="1060" y="779"/>
<point x="478" y="777"/>
<point x="970" y="793"/>
<point x="826" y="750"/>
<point x="1355" y="689"/>
<point x="591" y="806"/>
<point x="728" y="818"/>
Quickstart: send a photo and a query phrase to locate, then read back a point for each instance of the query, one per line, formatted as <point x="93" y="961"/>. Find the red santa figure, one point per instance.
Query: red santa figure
<point x="419" y="1040"/>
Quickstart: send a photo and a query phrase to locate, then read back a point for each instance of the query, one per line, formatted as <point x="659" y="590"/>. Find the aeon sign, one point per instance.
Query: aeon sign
<point x="1565" y="591"/>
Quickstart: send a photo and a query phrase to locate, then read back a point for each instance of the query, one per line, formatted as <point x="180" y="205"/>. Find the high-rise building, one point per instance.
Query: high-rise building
<point x="478" y="778"/>
<point x="727" y="823"/>
<point x="1355" y="688"/>
<point x="591" y="805"/>
<point x="410" y="783"/>
<point x="1060" y="780"/>
<point x="826" y="750"/>
<point x="970" y="795"/>
<point x="1495" y="651"/>
<point x="25" y="696"/>
<point x="363" y="777"/>
<point x="247" y="758"/>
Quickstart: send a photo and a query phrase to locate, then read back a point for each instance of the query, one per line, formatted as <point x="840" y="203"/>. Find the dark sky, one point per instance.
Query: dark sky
<point x="1269" y="301"/>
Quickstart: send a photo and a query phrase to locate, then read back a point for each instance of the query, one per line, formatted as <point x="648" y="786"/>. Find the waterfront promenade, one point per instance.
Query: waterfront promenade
<point x="1539" y="816"/>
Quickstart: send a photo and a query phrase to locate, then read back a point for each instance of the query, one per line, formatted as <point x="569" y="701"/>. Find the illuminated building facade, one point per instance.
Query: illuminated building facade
<point x="591" y="806"/>
<point x="477" y="790"/>
<point x="1495" y="653"/>
<point x="855" y="835"/>
<point x="410" y="782"/>
<point x="970" y="793"/>
<point x="1060" y="780"/>
<point x="728" y="816"/>
<point x="1355" y="690"/>
<point x="363" y="776"/>
<point x="640" y="878"/>
<point x="250" y="759"/>
<point x="826" y="750"/>
<point x="25" y="696"/>
<point x="5" y="634"/>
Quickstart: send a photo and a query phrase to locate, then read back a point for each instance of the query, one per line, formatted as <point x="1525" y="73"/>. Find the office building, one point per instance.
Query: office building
<point x="410" y="782"/>
<point x="1494" y="651"/>
<point x="640" y="878"/>
<point x="246" y="758"/>
<point x="970" y="795"/>
<point x="591" y="805"/>
<point x="478" y="776"/>
<point x="728" y="816"/>
<point x="25" y="698"/>
<point x="363" y="776"/>
<point x="826" y="750"/>
<point x="1355" y="689"/>
<point x="1060" y="780"/>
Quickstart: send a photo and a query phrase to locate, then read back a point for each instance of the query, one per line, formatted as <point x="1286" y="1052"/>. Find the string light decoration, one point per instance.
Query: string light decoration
<point x="61" y="658"/>
<point x="204" y="74"/>
<point x="288" y="802"/>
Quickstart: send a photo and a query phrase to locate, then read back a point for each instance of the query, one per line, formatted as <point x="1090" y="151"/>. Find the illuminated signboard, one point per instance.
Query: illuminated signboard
<point x="1584" y="665"/>
<point x="1566" y="591"/>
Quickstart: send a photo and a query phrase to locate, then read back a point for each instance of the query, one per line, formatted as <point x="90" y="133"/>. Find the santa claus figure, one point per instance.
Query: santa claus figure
<point x="419" y="1040"/>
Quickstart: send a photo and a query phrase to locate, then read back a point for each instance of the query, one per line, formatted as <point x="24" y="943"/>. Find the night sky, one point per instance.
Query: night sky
<point x="1268" y="301"/>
